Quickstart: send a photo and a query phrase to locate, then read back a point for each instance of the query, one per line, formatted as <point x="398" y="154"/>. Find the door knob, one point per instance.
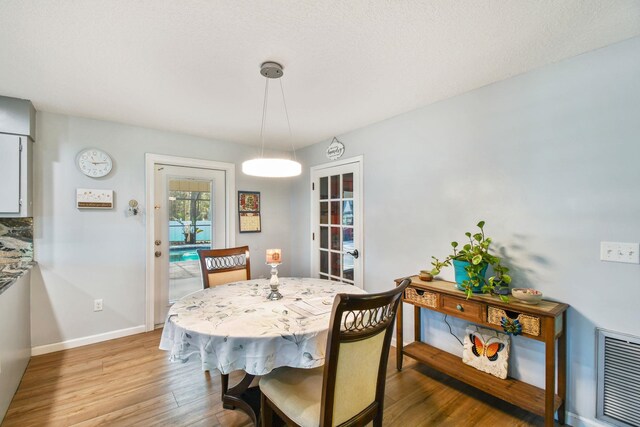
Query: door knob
<point x="157" y="254"/>
<point x="354" y="254"/>
<point x="158" y="242"/>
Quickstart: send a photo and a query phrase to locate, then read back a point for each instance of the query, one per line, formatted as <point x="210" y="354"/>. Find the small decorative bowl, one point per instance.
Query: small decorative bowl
<point x="425" y="275"/>
<point x="527" y="295"/>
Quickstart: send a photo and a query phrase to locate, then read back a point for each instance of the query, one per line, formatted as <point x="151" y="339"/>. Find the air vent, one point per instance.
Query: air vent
<point x="618" y="399"/>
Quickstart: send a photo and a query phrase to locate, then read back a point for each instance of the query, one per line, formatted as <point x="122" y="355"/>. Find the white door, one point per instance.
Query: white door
<point x="190" y="215"/>
<point x="336" y="222"/>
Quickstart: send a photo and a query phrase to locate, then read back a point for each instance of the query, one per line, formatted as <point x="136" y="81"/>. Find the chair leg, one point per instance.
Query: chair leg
<point x="377" y="421"/>
<point x="266" y="413"/>
<point x="224" y="381"/>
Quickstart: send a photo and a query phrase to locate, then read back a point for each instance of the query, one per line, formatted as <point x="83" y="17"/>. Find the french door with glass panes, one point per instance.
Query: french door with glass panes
<point x="336" y="218"/>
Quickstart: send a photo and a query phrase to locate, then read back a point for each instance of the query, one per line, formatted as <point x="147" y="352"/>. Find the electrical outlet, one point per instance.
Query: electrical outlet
<point x="97" y="305"/>
<point x="620" y="252"/>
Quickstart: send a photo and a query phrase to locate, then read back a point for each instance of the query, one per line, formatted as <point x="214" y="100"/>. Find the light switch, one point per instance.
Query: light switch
<point x="620" y="252"/>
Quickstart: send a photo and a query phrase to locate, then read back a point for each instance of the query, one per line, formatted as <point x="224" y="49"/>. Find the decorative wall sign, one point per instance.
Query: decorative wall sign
<point x="249" y="211"/>
<point x="94" y="199"/>
<point x="335" y="150"/>
<point x="487" y="350"/>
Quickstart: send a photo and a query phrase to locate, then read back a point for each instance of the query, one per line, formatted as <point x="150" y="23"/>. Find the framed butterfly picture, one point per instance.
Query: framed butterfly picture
<point x="487" y="350"/>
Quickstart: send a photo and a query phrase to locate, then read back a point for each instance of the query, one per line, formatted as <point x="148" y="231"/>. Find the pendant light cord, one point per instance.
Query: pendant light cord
<point x="264" y="114"/>
<point x="286" y="113"/>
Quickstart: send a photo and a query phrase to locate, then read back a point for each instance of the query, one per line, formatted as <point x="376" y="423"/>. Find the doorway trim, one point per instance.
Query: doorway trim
<point x="359" y="160"/>
<point x="151" y="160"/>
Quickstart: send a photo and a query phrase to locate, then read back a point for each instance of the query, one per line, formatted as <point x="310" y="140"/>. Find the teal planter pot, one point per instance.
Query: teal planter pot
<point x="462" y="275"/>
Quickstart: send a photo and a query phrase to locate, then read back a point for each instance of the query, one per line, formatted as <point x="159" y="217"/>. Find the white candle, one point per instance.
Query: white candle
<point x="274" y="256"/>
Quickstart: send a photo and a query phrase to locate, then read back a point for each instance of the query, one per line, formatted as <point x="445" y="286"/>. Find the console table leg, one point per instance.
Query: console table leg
<point x="417" y="324"/>
<point x="399" y="342"/>
<point x="562" y="369"/>
<point x="550" y="371"/>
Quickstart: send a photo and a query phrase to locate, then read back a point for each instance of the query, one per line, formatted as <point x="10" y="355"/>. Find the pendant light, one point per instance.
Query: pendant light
<point x="270" y="167"/>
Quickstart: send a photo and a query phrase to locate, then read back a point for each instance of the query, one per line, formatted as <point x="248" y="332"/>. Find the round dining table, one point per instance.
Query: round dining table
<point x="235" y="327"/>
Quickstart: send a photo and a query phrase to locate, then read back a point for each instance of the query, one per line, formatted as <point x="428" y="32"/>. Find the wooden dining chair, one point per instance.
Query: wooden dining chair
<point x="349" y="389"/>
<point x="220" y="266"/>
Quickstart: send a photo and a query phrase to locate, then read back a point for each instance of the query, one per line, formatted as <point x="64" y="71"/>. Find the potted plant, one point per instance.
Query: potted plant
<point x="470" y="264"/>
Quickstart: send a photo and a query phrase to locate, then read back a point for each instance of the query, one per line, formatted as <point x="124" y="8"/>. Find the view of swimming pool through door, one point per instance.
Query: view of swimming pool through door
<point x="192" y="217"/>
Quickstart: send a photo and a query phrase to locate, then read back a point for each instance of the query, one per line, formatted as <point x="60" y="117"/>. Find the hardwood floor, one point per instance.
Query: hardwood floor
<point x="128" y="382"/>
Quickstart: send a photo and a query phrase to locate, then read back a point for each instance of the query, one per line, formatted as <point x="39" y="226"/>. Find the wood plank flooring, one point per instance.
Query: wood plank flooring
<point x="129" y="382"/>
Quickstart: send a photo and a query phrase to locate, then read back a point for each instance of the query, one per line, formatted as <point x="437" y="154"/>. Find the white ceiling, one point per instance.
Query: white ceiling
<point x="192" y="66"/>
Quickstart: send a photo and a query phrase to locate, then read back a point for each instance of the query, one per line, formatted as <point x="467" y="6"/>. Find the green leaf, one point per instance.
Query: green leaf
<point x="476" y="259"/>
<point x="467" y="234"/>
<point x="478" y="237"/>
<point x="481" y="224"/>
<point x="454" y="244"/>
<point x="435" y="271"/>
<point x="506" y="278"/>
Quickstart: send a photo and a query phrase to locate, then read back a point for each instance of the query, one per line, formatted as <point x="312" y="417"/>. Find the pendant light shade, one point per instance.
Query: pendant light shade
<point x="270" y="167"/>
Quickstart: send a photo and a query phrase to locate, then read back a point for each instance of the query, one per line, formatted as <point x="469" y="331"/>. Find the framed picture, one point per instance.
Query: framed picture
<point x="249" y="211"/>
<point x="94" y="199"/>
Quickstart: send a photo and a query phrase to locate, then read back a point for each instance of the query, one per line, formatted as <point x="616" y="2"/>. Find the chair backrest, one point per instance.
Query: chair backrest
<point x="221" y="266"/>
<point x="356" y="356"/>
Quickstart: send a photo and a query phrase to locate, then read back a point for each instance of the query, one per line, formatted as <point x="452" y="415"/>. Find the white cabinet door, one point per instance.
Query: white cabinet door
<point x="10" y="174"/>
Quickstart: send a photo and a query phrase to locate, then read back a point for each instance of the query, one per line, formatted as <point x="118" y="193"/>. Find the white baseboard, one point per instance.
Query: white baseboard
<point x="576" y="420"/>
<point x="92" y="339"/>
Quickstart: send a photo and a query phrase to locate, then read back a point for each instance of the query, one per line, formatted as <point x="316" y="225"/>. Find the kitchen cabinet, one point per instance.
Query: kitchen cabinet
<point x="15" y="330"/>
<point x="16" y="172"/>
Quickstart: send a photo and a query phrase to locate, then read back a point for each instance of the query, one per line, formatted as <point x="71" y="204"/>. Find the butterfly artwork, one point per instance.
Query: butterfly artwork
<point x="487" y="350"/>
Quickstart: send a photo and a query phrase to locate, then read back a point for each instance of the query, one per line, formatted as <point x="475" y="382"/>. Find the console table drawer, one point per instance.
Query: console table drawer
<point x="421" y="298"/>
<point x="462" y="308"/>
<point x="530" y="324"/>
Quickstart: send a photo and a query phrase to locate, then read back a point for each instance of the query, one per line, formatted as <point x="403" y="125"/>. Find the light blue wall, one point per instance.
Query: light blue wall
<point x="550" y="159"/>
<point x="94" y="254"/>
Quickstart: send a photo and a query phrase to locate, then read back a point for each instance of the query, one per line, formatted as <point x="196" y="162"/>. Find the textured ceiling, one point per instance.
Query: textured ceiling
<point x="192" y="66"/>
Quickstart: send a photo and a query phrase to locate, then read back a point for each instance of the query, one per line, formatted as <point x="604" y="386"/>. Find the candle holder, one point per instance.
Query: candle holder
<point x="274" y="295"/>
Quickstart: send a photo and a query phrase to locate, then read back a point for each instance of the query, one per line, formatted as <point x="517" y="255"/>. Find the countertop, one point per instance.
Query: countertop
<point x="10" y="273"/>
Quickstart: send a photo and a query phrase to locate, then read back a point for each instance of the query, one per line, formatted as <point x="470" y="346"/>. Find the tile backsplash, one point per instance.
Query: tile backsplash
<point x="16" y="240"/>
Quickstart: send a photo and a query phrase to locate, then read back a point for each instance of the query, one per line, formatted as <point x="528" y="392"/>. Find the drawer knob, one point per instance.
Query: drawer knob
<point x="459" y="307"/>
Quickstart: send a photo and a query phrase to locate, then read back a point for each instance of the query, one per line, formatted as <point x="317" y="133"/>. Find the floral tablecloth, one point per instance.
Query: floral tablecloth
<point x="234" y="327"/>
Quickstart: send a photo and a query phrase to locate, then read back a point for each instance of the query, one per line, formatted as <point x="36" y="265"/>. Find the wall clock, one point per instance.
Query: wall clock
<point x="94" y="163"/>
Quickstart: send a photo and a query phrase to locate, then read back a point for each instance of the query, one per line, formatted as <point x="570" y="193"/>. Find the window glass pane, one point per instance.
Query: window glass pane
<point x="324" y="237"/>
<point x="335" y="264"/>
<point x="348" y="267"/>
<point x="347" y="185"/>
<point x="324" y="262"/>
<point x="335" y="212"/>
<point x="347" y="212"/>
<point x="324" y="188"/>
<point x="324" y="213"/>
<point x="347" y="239"/>
<point x="335" y="238"/>
<point x="335" y="187"/>
<point x="190" y="219"/>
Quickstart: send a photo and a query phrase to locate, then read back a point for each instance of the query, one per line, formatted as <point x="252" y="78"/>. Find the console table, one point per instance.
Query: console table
<point x="545" y="322"/>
